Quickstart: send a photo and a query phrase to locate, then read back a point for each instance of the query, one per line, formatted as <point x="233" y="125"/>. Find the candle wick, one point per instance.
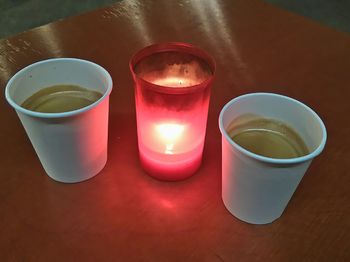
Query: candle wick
<point x="169" y="149"/>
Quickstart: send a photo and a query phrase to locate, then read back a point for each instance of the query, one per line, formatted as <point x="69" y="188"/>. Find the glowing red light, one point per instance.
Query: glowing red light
<point x="172" y="91"/>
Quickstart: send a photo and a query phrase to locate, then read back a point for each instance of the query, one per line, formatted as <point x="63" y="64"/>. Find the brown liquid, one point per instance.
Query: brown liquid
<point x="267" y="137"/>
<point x="60" y="98"/>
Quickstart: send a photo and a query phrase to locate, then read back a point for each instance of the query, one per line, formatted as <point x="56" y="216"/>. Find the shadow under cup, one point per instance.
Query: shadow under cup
<point x="256" y="189"/>
<point x="71" y="146"/>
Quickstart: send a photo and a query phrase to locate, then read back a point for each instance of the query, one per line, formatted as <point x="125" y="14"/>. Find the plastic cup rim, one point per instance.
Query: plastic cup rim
<point x="61" y="114"/>
<point x="270" y="160"/>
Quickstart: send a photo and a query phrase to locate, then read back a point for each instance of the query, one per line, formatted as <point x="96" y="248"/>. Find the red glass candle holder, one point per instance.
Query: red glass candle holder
<point x="172" y="92"/>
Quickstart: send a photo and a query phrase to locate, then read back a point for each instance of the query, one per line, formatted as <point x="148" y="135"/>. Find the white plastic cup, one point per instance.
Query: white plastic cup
<point x="71" y="146"/>
<point x="257" y="189"/>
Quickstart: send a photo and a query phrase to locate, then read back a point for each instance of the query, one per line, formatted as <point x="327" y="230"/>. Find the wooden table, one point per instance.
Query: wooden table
<point x="124" y="215"/>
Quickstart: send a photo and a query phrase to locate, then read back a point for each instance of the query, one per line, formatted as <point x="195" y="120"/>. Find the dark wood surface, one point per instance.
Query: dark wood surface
<point x="124" y="215"/>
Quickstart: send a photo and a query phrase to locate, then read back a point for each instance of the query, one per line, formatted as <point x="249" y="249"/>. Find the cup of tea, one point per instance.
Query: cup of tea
<point x="268" y="143"/>
<point x="63" y="106"/>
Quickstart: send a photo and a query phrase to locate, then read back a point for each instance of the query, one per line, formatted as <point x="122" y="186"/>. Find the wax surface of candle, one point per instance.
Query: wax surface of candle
<point x="173" y="82"/>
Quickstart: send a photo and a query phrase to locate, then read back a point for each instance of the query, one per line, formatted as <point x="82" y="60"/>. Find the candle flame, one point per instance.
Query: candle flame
<point x="170" y="133"/>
